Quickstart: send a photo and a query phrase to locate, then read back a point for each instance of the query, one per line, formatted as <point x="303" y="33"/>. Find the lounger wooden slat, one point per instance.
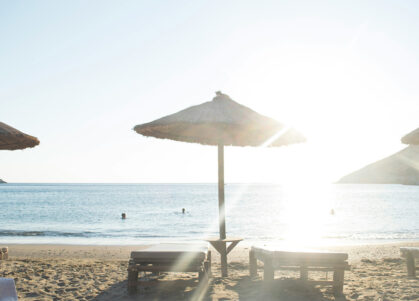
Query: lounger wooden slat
<point x="165" y="268"/>
<point x="169" y="258"/>
<point x="171" y="251"/>
<point x="274" y="258"/>
<point x="313" y="263"/>
<point x="310" y="255"/>
<point x="164" y="261"/>
<point x="310" y="268"/>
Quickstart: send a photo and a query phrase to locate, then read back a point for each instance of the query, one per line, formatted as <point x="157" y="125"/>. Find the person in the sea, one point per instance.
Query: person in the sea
<point x="123" y="216"/>
<point x="183" y="210"/>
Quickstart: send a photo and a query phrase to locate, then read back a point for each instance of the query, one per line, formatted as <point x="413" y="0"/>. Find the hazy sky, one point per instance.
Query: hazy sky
<point x="80" y="75"/>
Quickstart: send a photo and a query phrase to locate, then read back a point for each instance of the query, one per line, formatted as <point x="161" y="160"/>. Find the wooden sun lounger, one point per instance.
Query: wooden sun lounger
<point x="275" y="258"/>
<point x="7" y="290"/>
<point x="169" y="257"/>
<point x="410" y="254"/>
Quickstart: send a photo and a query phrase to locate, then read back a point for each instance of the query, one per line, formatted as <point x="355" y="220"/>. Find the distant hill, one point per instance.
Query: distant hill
<point x="400" y="168"/>
<point x="2" y="182"/>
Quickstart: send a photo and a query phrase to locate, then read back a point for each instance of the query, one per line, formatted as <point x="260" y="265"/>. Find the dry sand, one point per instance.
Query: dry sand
<point x="64" y="272"/>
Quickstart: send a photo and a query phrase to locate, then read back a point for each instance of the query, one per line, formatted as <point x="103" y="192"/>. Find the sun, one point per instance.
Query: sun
<point x="307" y="213"/>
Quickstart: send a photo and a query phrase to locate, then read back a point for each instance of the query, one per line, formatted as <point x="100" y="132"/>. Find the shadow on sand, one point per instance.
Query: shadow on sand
<point x="178" y="289"/>
<point x="284" y="289"/>
<point x="234" y="288"/>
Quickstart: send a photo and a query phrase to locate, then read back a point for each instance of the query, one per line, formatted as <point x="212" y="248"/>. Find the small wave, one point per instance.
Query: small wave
<point x="155" y="236"/>
<point x="85" y="234"/>
<point x="22" y="233"/>
<point x="375" y="236"/>
<point x="335" y="236"/>
<point x="45" y="233"/>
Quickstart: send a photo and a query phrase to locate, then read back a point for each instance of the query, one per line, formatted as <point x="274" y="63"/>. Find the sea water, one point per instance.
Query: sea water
<point x="91" y="213"/>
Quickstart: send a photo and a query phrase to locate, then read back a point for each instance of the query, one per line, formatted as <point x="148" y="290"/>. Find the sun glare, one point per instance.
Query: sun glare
<point x="307" y="211"/>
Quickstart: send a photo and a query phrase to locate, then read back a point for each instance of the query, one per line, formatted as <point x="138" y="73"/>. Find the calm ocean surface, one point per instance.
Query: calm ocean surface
<point x="91" y="213"/>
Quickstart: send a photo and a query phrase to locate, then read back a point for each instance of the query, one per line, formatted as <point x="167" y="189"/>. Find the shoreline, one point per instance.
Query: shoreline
<point x="245" y="242"/>
<point x="122" y="252"/>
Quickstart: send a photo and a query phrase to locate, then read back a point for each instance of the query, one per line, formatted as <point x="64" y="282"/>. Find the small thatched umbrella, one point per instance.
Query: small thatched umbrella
<point x="411" y="138"/>
<point x="220" y="122"/>
<point x="12" y="139"/>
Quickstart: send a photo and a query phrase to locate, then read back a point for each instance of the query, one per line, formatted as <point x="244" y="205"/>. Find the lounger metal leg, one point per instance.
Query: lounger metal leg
<point x="338" y="276"/>
<point x="204" y="275"/>
<point x="410" y="262"/>
<point x="252" y="264"/>
<point x="209" y="264"/>
<point x="132" y="281"/>
<point x="268" y="270"/>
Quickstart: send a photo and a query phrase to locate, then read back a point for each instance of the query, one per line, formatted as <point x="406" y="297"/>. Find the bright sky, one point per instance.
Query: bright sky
<point x="80" y="75"/>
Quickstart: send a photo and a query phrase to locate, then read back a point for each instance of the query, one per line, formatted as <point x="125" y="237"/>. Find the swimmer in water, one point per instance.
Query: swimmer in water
<point x="123" y="216"/>
<point x="183" y="210"/>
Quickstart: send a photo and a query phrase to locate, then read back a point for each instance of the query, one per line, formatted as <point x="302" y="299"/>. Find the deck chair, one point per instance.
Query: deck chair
<point x="169" y="257"/>
<point x="277" y="258"/>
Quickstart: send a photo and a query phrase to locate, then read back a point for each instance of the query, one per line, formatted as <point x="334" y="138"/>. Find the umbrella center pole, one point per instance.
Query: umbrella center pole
<point x="221" y="206"/>
<point x="221" y="210"/>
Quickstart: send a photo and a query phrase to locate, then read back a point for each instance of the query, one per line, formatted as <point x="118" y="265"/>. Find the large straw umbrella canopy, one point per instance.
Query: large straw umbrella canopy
<point x="411" y="138"/>
<point x="220" y="122"/>
<point x="13" y="139"/>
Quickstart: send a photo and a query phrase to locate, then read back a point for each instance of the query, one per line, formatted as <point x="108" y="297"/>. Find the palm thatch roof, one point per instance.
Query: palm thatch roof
<point x="411" y="138"/>
<point x="221" y="121"/>
<point x="12" y="139"/>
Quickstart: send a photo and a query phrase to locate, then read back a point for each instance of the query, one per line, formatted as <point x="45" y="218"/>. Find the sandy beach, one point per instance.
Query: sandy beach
<point x="71" y="272"/>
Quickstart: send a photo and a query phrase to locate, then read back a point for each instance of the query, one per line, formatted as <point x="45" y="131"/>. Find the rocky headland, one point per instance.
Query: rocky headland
<point x="399" y="168"/>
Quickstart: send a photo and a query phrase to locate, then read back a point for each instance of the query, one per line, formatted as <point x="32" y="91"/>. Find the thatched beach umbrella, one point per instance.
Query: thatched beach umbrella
<point x="220" y="122"/>
<point x="12" y="139"/>
<point x="411" y="138"/>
